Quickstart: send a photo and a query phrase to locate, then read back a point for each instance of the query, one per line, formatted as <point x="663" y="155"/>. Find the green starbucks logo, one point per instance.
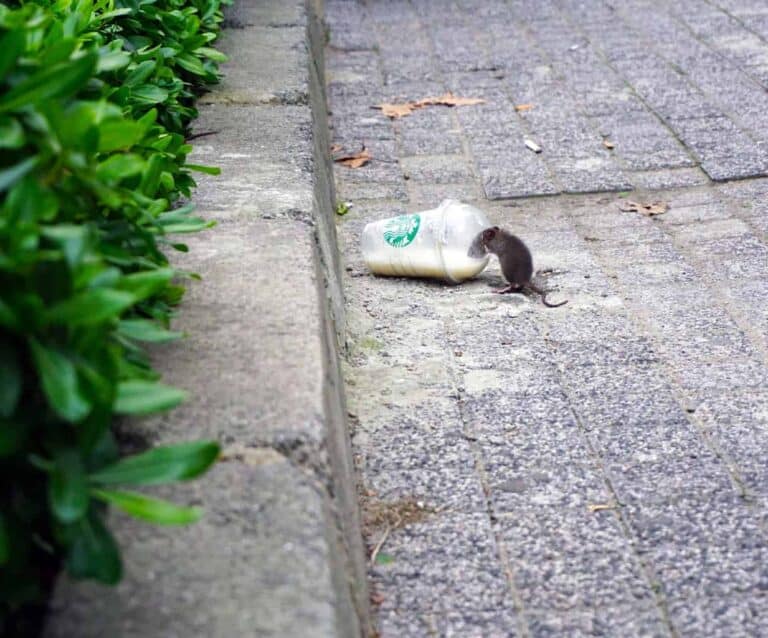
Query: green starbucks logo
<point x="400" y="231"/>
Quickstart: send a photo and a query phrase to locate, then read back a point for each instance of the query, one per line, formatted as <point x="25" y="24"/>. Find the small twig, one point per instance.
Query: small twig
<point x="379" y="545"/>
<point x="599" y="507"/>
<point x="194" y="136"/>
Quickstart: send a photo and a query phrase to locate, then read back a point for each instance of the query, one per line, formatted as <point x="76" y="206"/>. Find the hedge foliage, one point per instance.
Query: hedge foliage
<point x="95" y="100"/>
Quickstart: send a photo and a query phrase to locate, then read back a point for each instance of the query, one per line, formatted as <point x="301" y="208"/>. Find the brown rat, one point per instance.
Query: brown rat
<point x="515" y="260"/>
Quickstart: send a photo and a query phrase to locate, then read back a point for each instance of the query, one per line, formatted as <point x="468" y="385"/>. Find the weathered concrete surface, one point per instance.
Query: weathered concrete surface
<point x="592" y="470"/>
<point x="279" y="550"/>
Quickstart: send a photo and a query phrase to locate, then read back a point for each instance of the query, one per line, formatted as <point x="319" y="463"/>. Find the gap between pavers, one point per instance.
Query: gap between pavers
<point x="279" y="549"/>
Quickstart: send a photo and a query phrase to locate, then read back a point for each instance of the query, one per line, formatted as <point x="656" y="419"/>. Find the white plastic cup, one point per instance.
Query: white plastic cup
<point x="432" y="243"/>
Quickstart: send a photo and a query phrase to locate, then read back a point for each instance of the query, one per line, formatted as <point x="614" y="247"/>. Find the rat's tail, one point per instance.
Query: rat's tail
<point x="544" y="294"/>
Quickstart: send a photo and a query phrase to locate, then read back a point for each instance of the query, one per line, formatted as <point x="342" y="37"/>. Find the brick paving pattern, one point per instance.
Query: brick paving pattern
<point x="599" y="469"/>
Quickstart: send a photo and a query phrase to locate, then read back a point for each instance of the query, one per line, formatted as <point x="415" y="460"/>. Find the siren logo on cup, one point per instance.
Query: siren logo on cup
<point x="400" y="231"/>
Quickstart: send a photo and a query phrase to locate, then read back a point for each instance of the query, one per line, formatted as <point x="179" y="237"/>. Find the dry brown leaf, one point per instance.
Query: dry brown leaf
<point x="651" y="210"/>
<point x="449" y="99"/>
<point x="523" y="107"/>
<point x="598" y="507"/>
<point x="395" y="111"/>
<point x="356" y="160"/>
<point x="608" y="144"/>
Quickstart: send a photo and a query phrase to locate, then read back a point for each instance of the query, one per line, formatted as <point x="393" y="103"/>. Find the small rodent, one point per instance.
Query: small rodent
<point x="515" y="260"/>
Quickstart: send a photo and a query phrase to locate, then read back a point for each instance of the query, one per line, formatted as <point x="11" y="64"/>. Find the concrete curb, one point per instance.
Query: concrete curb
<point x="279" y="552"/>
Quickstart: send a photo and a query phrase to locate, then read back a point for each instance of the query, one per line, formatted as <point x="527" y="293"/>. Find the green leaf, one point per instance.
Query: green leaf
<point x="167" y="181"/>
<point x="108" y="16"/>
<point x="59" y="380"/>
<point x="68" y="487"/>
<point x="30" y="201"/>
<point x="172" y="295"/>
<point x="191" y="64"/>
<point x="146" y="283"/>
<point x="149" y="94"/>
<point x="384" y="559"/>
<point x="9" y="176"/>
<point x="342" y="208"/>
<point x="151" y="176"/>
<point x="10" y="378"/>
<point x="58" y="51"/>
<point x="212" y="54"/>
<point x="165" y="464"/>
<point x="146" y="330"/>
<point x="119" y="134"/>
<point x="70" y="238"/>
<point x="145" y="397"/>
<point x="8" y="317"/>
<point x="11" y="133"/>
<point x="77" y="126"/>
<point x="140" y="73"/>
<point x="92" y="307"/>
<point x="58" y="80"/>
<point x="94" y="552"/>
<point x="120" y="166"/>
<point x="150" y="509"/>
<point x="210" y="170"/>
<point x="11" y="46"/>
<point x="112" y="60"/>
<point x="194" y="225"/>
<point x="148" y="119"/>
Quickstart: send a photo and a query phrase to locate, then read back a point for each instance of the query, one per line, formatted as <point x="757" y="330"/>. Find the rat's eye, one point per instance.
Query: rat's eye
<point x="489" y="234"/>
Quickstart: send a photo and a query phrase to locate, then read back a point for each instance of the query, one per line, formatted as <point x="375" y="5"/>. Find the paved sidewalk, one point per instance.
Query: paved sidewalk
<point x="597" y="469"/>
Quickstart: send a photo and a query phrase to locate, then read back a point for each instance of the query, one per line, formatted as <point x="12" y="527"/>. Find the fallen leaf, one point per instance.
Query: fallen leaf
<point x="336" y="148"/>
<point x="598" y="507"/>
<point x="449" y="99"/>
<point x="377" y="598"/>
<point x="401" y="109"/>
<point x="396" y="111"/>
<point x="342" y="208"/>
<point x="533" y="146"/>
<point x="651" y="210"/>
<point x="356" y="160"/>
<point x="384" y="559"/>
<point x="523" y="107"/>
<point x="608" y="144"/>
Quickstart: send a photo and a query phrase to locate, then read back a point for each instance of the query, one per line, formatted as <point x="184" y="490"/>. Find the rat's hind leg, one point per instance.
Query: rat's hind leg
<point x="510" y="288"/>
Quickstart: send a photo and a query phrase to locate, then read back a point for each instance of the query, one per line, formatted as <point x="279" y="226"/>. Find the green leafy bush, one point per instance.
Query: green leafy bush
<point x="95" y="100"/>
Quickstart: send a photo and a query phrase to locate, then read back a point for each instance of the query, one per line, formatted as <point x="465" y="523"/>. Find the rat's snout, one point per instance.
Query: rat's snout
<point x="478" y="248"/>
